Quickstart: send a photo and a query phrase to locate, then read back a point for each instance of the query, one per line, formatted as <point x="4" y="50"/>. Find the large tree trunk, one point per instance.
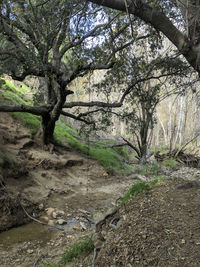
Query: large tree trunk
<point x="56" y="97"/>
<point x="47" y="129"/>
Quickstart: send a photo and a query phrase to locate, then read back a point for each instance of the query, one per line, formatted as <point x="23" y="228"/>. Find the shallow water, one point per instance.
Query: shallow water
<point x="28" y="232"/>
<point x="41" y="233"/>
<point x="33" y="232"/>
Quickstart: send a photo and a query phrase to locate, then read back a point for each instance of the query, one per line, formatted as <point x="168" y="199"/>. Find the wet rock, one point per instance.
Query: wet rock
<point x="61" y="221"/>
<point x="54" y="214"/>
<point x="51" y="223"/>
<point x="78" y="227"/>
<point x="44" y="219"/>
<point x="57" y="213"/>
<point x="60" y="213"/>
<point x="98" y="240"/>
<point x="50" y="211"/>
<point x="84" y="227"/>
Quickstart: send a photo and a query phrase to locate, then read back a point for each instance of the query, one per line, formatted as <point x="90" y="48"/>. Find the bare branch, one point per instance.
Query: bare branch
<point x="94" y="32"/>
<point x="41" y="110"/>
<point x="92" y="104"/>
<point x="132" y="146"/>
<point x="67" y="114"/>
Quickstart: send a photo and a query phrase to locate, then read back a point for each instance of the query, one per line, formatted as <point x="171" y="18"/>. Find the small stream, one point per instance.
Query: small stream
<point x="25" y="233"/>
<point x="33" y="232"/>
<point x="38" y="232"/>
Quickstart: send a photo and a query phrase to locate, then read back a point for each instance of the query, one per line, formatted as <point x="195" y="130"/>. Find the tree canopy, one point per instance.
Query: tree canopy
<point x="59" y="41"/>
<point x="177" y="20"/>
<point x="62" y="40"/>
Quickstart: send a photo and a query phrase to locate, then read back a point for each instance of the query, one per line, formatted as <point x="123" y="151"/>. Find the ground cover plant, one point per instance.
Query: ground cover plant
<point x="78" y="249"/>
<point x="139" y="188"/>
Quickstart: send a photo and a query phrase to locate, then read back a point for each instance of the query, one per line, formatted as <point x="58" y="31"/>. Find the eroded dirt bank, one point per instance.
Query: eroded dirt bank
<point x="34" y="180"/>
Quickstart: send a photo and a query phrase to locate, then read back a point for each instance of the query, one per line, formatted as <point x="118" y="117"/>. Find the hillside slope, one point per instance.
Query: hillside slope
<point x="160" y="228"/>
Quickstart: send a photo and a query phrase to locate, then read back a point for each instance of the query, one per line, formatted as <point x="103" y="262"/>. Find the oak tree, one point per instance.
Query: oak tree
<point x="58" y="41"/>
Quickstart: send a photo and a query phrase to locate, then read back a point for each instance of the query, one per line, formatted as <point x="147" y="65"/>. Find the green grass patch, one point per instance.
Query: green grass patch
<point x="32" y="122"/>
<point x="23" y="91"/>
<point x="77" y="250"/>
<point x="170" y="163"/>
<point x="112" y="160"/>
<point x="15" y="96"/>
<point x="139" y="188"/>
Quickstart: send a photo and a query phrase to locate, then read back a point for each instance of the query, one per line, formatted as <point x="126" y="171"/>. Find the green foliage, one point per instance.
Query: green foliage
<point x="134" y="190"/>
<point x="77" y="250"/>
<point x="139" y="188"/>
<point x="170" y="162"/>
<point x="16" y="96"/>
<point x="122" y="151"/>
<point x="23" y="91"/>
<point x="107" y="157"/>
<point x="111" y="159"/>
<point x="30" y="121"/>
<point x="149" y="169"/>
<point x="13" y="97"/>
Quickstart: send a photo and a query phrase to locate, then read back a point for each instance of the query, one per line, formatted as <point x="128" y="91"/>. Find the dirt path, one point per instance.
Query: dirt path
<point x="63" y="180"/>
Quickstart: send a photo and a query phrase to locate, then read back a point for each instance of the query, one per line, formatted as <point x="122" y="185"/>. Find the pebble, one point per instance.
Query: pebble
<point x="30" y="251"/>
<point x="60" y="213"/>
<point x="61" y="221"/>
<point x="41" y="206"/>
<point x="78" y="227"/>
<point x="54" y="214"/>
<point x="44" y="219"/>
<point x="83" y="225"/>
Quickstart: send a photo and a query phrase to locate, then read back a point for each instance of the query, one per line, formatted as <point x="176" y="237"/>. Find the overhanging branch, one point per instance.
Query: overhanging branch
<point x="41" y="110"/>
<point x="129" y="89"/>
<point x="92" y="104"/>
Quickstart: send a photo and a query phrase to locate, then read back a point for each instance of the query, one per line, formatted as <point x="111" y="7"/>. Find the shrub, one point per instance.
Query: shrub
<point x="78" y="249"/>
<point x="134" y="190"/>
<point x="140" y="187"/>
<point x="170" y="162"/>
